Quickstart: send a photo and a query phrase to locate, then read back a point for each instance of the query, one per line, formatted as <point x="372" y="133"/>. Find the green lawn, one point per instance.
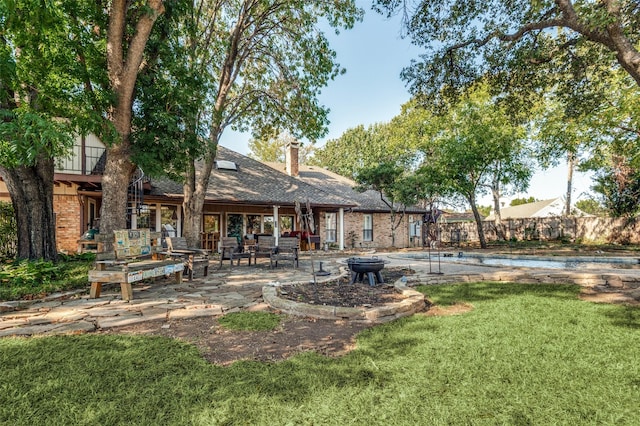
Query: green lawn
<point x="526" y="354"/>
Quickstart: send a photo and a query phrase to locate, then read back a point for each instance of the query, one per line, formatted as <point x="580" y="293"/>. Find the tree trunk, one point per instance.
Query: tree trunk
<point x="31" y="190"/>
<point x="124" y="59"/>
<point x="115" y="185"/>
<point x="570" y="165"/>
<point x="195" y="190"/>
<point x="476" y="215"/>
<point x="495" y="191"/>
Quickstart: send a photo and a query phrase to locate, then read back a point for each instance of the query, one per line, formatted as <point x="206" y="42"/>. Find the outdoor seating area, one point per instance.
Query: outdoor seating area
<point x="287" y="248"/>
<point x="133" y="257"/>
<point x="195" y="259"/>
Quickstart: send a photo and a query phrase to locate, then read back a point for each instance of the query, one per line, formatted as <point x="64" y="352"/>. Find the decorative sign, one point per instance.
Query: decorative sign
<point x="134" y="276"/>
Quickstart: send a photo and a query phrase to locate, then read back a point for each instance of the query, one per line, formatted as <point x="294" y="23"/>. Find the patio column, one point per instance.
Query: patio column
<point x="158" y="224"/>
<point x="134" y="218"/>
<point x="276" y="223"/>
<point x="341" y="219"/>
<point x="158" y="217"/>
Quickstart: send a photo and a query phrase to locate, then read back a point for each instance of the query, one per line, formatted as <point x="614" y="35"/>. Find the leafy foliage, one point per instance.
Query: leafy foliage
<point x="272" y="149"/>
<point x="361" y="148"/>
<point x="27" y="278"/>
<point x="8" y="235"/>
<point x="520" y="46"/>
<point x="591" y="206"/>
<point x="520" y="201"/>
<point x="483" y="150"/>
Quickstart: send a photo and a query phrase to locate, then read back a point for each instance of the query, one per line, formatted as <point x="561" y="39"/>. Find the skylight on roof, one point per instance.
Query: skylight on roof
<point x="226" y="165"/>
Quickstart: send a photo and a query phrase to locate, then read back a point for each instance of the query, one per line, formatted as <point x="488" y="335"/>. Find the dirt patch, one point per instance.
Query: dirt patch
<point x="294" y="335"/>
<point x="456" y="309"/>
<point x="221" y="346"/>
<point x="605" y="295"/>
<point x="342" y="293"/>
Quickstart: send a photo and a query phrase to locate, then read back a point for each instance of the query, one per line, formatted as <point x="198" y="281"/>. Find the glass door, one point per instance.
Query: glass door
<point x="235" y="226"/>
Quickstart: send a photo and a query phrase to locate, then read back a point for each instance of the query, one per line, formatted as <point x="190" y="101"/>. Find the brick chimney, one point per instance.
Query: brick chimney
<point x="291" y="157"/>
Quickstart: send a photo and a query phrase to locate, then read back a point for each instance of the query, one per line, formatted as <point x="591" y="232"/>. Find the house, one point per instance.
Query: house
<point x="545" y="208"/>
<point x="244" y="196"/>
<point x="367" y="223"/>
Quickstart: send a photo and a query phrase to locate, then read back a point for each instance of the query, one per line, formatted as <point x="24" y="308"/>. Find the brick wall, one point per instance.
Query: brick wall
<point x="67" y="210"/>
<point x="354" y="222"/>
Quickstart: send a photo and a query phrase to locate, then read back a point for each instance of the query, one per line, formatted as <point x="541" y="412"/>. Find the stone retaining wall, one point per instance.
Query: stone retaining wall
<point x="413" y="302"/>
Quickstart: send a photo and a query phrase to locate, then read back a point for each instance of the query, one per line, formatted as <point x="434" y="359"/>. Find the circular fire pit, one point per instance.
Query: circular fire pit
<point x="369" y="266"/>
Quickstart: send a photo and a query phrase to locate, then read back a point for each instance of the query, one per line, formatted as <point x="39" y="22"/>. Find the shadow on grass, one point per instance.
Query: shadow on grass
<point x="625" y="316"/>
<point x="450" y="294"/>
<point x="154" y="375"/>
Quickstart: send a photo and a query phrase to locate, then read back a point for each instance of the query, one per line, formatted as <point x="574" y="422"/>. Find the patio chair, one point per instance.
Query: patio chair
<point x="194" y="257"/>
<point x="288" y="248"/>
<point x="266" y="248"/>
<point x="230" y="249"/>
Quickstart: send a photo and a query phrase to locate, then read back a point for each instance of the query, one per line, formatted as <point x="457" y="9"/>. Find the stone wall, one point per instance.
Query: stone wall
<point x="585" y="229"/>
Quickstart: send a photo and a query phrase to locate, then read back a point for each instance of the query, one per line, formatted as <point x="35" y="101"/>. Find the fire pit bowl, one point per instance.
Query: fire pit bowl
<point x="369" y="266"/>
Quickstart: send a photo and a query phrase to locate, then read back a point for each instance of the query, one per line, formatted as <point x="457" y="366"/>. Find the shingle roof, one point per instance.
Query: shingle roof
<point x="254" y="183"/>
<point x="535" y="209"/>
<point x="367" y="201"/>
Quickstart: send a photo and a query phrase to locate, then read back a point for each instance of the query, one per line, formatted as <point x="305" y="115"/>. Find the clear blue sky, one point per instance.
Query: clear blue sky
<point x="371" y="91"/>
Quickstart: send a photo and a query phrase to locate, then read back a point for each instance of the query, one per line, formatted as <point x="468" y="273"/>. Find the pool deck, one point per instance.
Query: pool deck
<point x="237" y="288"/>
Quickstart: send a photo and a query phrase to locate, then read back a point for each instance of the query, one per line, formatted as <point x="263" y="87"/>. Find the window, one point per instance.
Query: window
<point x="286" y="224"/>
<point x="235" y="226"/>
<point x="211" y="223"/>
<point x="169" y="215"/>
<point x="268" y="225"/>
<point x="254" y="224"/>
<point x="330" y="227"/>
<point x="147" y="218"/>
<point x="226" y="165"/>
<point x="367" y="228"/>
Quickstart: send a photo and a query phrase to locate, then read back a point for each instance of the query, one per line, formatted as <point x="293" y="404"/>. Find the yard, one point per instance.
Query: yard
<point x="523" y="354"/>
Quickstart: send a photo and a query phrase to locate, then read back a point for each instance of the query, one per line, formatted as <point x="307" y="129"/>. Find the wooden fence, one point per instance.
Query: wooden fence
<point x="586" y="229"/>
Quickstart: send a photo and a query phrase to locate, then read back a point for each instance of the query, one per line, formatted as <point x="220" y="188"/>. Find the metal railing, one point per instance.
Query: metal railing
<point x="80" y="161"/>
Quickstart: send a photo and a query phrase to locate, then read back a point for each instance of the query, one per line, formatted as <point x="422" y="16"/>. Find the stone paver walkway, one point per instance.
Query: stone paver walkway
<point x="240" y="288"/>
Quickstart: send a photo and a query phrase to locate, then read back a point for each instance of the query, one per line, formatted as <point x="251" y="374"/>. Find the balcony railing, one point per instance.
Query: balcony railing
<point x="82" y="160"/>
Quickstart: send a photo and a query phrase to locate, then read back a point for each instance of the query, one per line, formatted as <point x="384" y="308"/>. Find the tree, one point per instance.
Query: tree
<point x="128" y="31"/>
<point x="521" y="201"/>
<point x="520" y="45"/>
<point x="362" y="148"/>
<point x="387" y="180"/>
<point x="265" y="62"/>
<point x="39" y="77"/>
<point x="591" y="206"/>
<point x="273" y="149"/>
<point x="476" y="148"/>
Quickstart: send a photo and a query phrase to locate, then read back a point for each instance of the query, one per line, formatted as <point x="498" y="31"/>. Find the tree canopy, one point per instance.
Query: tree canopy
<point x="520" y="45"/>
<point x="475" y="148"/>
<point x="272" y="149"/>
<point x="40" y="110"/>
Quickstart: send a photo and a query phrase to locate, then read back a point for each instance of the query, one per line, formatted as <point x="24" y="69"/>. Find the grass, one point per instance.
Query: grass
<point x="250" y="321"/>
<point x="526" y="354"/>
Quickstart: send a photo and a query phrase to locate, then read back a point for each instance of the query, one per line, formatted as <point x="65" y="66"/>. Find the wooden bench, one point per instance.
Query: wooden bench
<point x="134" y="257"/>
<point x="195" y="258"/>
